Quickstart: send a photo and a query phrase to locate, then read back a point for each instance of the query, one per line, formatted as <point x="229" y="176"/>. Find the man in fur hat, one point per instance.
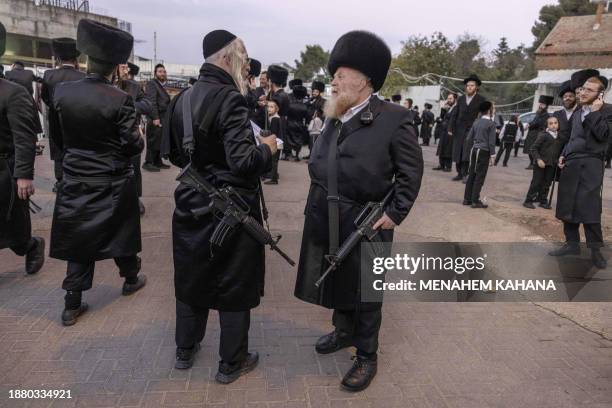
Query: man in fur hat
<point x="368" y="150"/>
<point x="315" y="104"/>
<point x="461" y="122"/>
<point x="66" y="55"/>
<point x="17" y="154"/>
<point x="537" y="125"/>
<point x="96" y="209"/>
<point x="579" y="198"/>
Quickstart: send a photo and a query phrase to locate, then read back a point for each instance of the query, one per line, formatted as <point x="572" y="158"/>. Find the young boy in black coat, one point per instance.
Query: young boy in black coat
<point x="543" y="153"/>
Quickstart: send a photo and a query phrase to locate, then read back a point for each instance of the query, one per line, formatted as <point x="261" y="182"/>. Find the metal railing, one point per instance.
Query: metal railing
<point x="76" y="5"/>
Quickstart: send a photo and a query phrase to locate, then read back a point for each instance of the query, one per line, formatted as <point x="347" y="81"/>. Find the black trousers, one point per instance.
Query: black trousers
<point x="137" y="174"/>
<point x="540" y="184"/>
<point x="24" y="248"/>
<point x="79" y="276"/>
<point x="274" y="171"/>
<point x="505" y="148"/>
<point x="445" y="163"/>
<point x="154" y="135"/>
<point x="479" y="166"/>
<point x="58" y="170"/>
<point x="234" y="341"/>
<point x="362" y="326"/>
<point x="592" y="233"/>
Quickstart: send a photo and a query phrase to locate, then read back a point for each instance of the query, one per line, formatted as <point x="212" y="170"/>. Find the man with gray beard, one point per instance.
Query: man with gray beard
<point x="368" y="148"/>
<point x="229" y="278"/>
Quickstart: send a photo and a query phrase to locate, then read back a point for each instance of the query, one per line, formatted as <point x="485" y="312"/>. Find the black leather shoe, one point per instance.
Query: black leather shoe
<point x="457" y="178"/>
<point x="360" y="375"/>
<point x="185" y="357"/>
<point x="333" y="342"/>
<point x="228" y="373"/>
<point x="479" y="204"/>
<point x="446" y="170"/>
<point x="162" y="165"/>
<point x="35" y="258"/>
<point x="527" y="204"/>
<point x="141" y="208"/>
<point x="530" y="167"/>
<point x="438" y="168"/>
<point x="546" y="206"/>
<point x="150" y="167"/>
<point x="271" y="182"/>
<point x="598" y="260"/>
<point x="566" y="249"/>
<point x="467" y="202"/>
<point x="70" y="316"/>
<point x="131" y="288"/>
<point x="504" y="165"/>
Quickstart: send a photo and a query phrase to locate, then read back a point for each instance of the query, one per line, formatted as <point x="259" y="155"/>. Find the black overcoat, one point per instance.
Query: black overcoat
<point x="537" y="125"/>
<point x="445" y="144"/>
<point x="460" y="125"/>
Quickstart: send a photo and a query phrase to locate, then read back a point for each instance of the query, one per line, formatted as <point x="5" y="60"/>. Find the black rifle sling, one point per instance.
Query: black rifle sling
<point x="333" y="197"/>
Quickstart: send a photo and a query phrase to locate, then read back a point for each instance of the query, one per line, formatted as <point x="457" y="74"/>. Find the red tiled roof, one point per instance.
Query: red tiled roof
<point x="575" y="34"/>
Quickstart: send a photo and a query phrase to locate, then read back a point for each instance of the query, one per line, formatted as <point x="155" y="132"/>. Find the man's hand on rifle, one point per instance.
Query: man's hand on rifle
<point x="270" y="141"/>
<point x="385" y="223"/>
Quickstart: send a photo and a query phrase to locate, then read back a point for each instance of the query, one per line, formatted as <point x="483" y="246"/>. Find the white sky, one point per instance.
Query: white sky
<point x="276" y="31"/>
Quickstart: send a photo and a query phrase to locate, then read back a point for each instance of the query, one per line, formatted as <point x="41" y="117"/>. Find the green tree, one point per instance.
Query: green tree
<point x="312" y="60"/>
<point x="550" y="15"/>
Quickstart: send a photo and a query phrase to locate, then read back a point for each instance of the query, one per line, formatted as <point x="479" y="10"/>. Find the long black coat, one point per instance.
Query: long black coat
<point x="159" y="99"/>
<point x="579" y="196"/>
<point x="17" y="153"/>
<point x="535" y="127"/>
<point x="460" y="125"/>
<point x="230" y="278"/>
<point x="544" y="148"/>
<point x="51" y="78"/>
<point x="445" y="144"/>
<point x="428" y="119"/>
<point x="96" y="210"/>
<point x="372" y="159"/>
<point x="23" y="77"/>
<point x="141" y="102"/>
<point x="297" y="123"/>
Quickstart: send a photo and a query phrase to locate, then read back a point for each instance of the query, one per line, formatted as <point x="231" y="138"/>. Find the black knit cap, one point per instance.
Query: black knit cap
<point x="546" y="100"/>
<point x="396" y="98"/>
<point x="473" y="77"/>
<point x="216" y="40"/>
<point x="363" y="51"/>
<point x="295" y="82"/>
<point x="277" y="75"/>
<point x="300" y="91"/>
<point x="133" y="69"/>
<point x="565" y="88"/>
<point x="254" y="67"/>
<point x="2" y="39"/>
<point x="64" y="48"/>
<point x="318" y="85"/>
<point x="103" y="42"/>
<point x="484" y="106"/>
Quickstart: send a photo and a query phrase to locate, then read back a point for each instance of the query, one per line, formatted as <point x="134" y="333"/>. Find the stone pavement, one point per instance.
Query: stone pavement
<point x="431" y="355"/>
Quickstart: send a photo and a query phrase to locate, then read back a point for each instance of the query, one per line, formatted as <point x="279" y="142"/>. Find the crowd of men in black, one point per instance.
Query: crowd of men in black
<point x="362" y="150"/>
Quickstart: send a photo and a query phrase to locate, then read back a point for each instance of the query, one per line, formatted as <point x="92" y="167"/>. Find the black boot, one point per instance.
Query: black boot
<point x="598" y="260"/>
<point x="529" y="204"/>
<point x="228" y="373"/>
<point x="566" y="249"/>
<point x="332" y="342"/>
<point x="185" y="357"/>
<point x="479" y="204"/>
<point x="131" y="288"/>
<point x="360" y="375"/>
<point x="458" y="177"/>
<point x="35" y="257"/>
<point x="70" y="316"/>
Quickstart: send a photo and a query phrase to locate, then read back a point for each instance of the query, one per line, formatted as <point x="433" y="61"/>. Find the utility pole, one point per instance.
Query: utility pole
<point x="154" y="48"/>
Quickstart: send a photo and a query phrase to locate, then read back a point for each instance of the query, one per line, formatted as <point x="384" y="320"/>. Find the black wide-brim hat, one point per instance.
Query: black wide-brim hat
<point x="2" y="39"/>
<point x="278" y="75"/>
<point x="580" y="77"/>
<point x="565" y="88"/>
<point x="396" y="98"/>
<point x="363" y="51"/>
<point x="103" y="42"/>
<point x="473" y="77"/>
<point x="546" y="99"/>
<point x="295" y="82"/>
<point x="254" y="67"/>
<point x="64" y="48"/>
<point x="133" y="69"/>
<point x="318" y="85"/>
<point x="300" y="91"/>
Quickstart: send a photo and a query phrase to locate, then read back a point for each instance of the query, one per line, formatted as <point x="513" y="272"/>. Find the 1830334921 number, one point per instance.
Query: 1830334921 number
<point x="40" y="394"/>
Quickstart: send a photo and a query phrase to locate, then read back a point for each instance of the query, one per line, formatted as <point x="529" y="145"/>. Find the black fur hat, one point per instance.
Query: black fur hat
<point x="363" y="51"/>
<point x="300" y="91"/>
<point x="2" y="39"/>
<point x="565" y="88"/>
<point x="133" y="69"/>
<point x="103" y="42"/>
<point x="485" y="106"/>
<point x="295" y="82"/>
<point x="254" y="68"/>
<point x="318" y="85"/>
<point x="546" y="100"/>
<point x="64" y="48"/>
<point x="277" y="75"/>
<point x="473" y="77"/>
<point x="396" y="98"/>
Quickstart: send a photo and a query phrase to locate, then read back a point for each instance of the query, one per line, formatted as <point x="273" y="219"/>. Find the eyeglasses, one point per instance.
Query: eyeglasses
<point x="587" y="90"/>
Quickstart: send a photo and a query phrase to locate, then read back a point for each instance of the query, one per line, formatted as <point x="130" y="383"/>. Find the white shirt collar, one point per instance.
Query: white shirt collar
<point x="353" y="111"/>
<point x="486" y="117"/>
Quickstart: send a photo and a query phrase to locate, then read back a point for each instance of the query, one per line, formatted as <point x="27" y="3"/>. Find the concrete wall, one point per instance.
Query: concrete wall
<point x="26" y="18"/>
